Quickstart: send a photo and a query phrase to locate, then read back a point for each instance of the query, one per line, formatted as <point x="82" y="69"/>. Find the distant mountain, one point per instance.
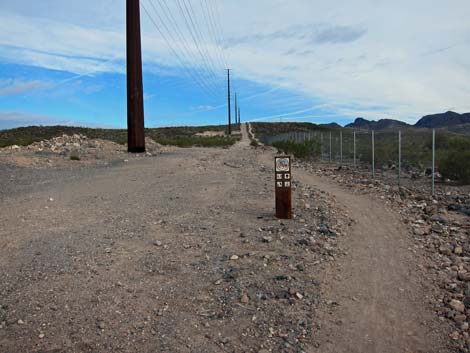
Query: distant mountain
<point x="332" y="126"/>
<point x="361" y="123"/>
<point x="444" y="120"/>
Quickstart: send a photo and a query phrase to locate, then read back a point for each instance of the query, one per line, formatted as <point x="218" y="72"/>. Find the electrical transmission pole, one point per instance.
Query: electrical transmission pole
<point x="229" y="109"/>
<point x="236" y="109"/>
<point x="135" y="91"/>
<point x="239" y="120"/>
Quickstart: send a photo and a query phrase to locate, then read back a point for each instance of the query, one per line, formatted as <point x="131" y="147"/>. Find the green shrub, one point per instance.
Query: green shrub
<point x="308" y="149"/>
<point x="198" y="141"/>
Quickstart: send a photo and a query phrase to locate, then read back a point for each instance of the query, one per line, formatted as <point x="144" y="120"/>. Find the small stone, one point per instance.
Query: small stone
<point x="157" y="243"/>
<point x="20" y="322"/>
<point x="464" y="276"/>
<point x="458" y="250"/>
<point x="457" y="305"/>
<point x="245" y="299"/>
<point x="101" y="325"/>
<point x="445" y="249"/>
<point x="298" y="295"/>
<point x="41" y="335"/>
<point x="267" y="239"/>
<point x="234" y="257"/>
<point x="466" y="302"/>
<point x="464" y="326"/>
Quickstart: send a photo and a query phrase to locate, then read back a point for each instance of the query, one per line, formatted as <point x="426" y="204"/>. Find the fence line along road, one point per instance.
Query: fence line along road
<point x="412" y="151"/>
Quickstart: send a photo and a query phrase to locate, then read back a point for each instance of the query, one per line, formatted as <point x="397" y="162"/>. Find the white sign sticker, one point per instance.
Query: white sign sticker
<point x="282" y="165"/>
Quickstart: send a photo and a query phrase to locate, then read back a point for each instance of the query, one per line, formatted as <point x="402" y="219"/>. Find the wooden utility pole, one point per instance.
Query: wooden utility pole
<point x="236" y="109"/>
<point x="135" y="91"/>
<point x="229" y="109"/>
<point x="239" y="119"/>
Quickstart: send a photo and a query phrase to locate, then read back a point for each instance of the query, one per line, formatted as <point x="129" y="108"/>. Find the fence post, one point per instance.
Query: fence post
<point x="341" y="145"/>
<point x="321" y="145"/>
<point x="354" y="143"/>
<point x="373" y="155"/>
<point x="433" y="160"/>
<point x="399" y="157"/>
<point x="330" y="146"/>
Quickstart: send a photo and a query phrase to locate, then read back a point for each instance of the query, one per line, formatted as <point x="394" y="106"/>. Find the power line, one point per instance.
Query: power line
<point x="211" y="30"/>
<point x="174" y="52"/>
<point x="190" y="25"/>
<point x="216" y="16"/>
<point x="182" y="43"/>
<point x="201" y="36"/>
<point x="179" y="33"/>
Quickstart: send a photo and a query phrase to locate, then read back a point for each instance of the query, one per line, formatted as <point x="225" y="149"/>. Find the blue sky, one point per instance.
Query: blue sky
<point x="63" y="62"/>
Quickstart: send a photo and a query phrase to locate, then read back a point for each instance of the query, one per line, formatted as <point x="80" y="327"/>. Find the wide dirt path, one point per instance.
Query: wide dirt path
<point x="180" y="253"/>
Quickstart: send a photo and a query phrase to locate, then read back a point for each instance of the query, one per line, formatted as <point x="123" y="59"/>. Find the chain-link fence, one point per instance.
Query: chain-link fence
<point x="408" y="154"/>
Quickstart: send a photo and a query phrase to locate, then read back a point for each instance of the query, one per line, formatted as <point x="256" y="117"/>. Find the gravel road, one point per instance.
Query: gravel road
<point x="181" y="253"/>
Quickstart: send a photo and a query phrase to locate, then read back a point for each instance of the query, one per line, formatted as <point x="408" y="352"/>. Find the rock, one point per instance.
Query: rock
<point x="466" y="302"/>
<point x="464" y="276"/>
<point x="157" y="243"/>
<point x="437" y="228"/>
<point x="445" y="249"/>
<point x="232" y="274"/>
<point x="324" y="229"/>
<point x="41" y="335"/>
<point x="234" y="257"/>
<point x="245" y="299"/>
<point x="267" y="239"/>
<point x="438" y="218"/>
<point x="100" y="324"/>
<point x="458" y="250"/>
<point x="20" y="322"/>
<point x="457" y="305"/>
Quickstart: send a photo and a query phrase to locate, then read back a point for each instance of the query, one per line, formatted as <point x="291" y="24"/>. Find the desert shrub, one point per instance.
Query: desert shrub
<point x="307" y="149"/>
<point x="190" y="141"/>
<point x="454" y="159"/>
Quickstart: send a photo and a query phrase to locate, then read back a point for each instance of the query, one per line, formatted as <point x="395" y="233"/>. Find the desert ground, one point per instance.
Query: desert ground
<point x="179" y="251"/>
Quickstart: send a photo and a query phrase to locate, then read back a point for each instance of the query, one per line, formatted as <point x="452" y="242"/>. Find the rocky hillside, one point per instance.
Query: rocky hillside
<point x="444" y="120"/>
<point x="455" y="122"/>
<point x="361" y="123"/>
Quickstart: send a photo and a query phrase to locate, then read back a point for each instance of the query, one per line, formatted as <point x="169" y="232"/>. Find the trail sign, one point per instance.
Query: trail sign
<point x="283" y="176"/>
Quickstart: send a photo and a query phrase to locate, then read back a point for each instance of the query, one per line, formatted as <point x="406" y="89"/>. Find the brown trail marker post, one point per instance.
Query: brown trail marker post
<point x="282" y="168"/>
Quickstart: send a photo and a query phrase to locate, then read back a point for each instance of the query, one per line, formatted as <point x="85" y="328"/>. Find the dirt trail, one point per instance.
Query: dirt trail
<point x="377" y="300"/>
<point x="379" y="303"/>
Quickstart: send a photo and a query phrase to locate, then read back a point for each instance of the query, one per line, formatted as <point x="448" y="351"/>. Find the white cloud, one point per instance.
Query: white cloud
<point x="12" y="119"/>
<point x="378" y="59"/>
<point x="14" y="87"/>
